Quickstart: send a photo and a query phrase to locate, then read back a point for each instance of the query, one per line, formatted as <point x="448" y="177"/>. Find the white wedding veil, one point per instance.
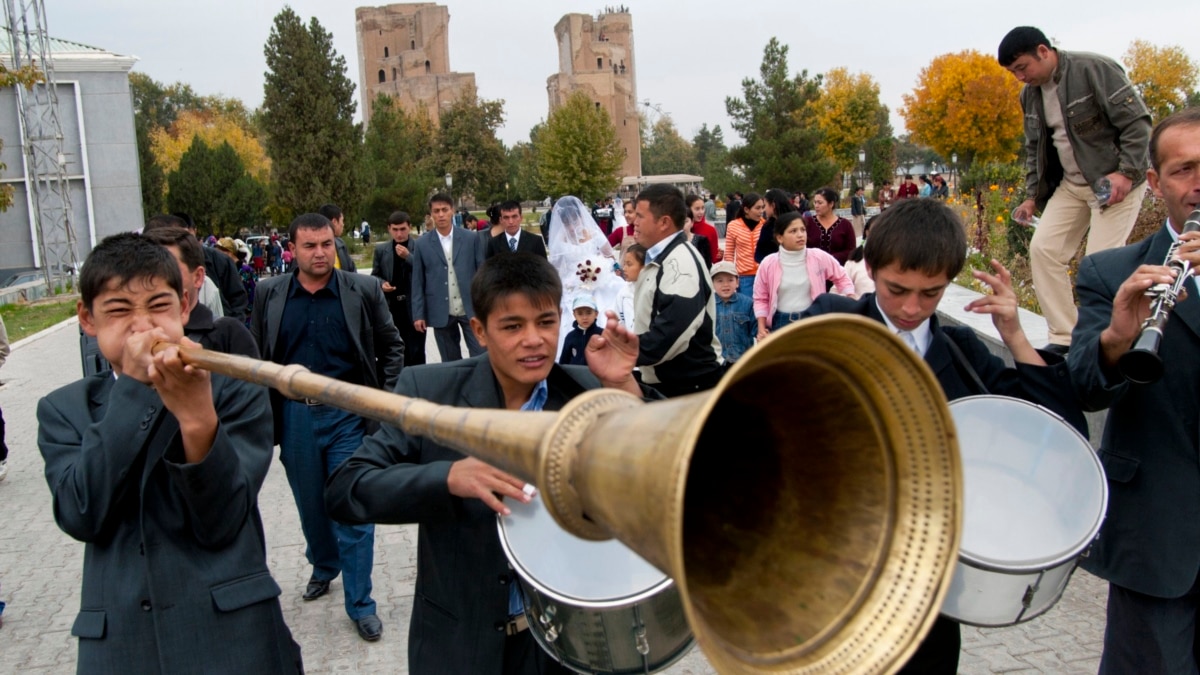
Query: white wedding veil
<point x="571" y="226"/>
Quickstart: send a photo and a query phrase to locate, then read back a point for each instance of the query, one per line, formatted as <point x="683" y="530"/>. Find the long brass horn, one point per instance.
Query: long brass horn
<point x="808" y="508"/>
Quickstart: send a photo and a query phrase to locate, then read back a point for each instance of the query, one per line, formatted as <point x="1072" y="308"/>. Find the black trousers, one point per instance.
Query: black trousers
<point x="523" y="656"/>
<point x="938" y="653"/>
<point x="1149" y="635"/>
<point x="683" y="386"/>
<point x="414" y="341"/>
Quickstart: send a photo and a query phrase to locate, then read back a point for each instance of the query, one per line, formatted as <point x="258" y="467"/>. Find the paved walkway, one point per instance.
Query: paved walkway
<point x="40" y="567"/>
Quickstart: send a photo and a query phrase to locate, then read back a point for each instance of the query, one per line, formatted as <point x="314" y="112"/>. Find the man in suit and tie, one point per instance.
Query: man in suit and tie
<point x="1149" y="545"/>
<point x="335" y="323"/>
<point x="444" y="262"/>
<point x="393" y="266"/>
<point x="463" y="621"/>
<point x="512" y="239"/>
<point x="156" y="467"/>
<point x="916" y="249"/>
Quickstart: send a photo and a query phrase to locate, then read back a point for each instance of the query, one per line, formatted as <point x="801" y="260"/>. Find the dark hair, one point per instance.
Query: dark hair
<point x="918" y="234"/>
<point x="857" y="254"/>
<point x="923" y="178"/>
<point x="829" y="195"/>
<point x="692" y="199"/>
<point x="664" y="200"/>
<point x="510" y="205"/>
<point x="308" y="221"/>
<point x="126" y="257"/>
<point x="1187" y="117"/>
<point x="441" y="198"/>
<point x="173" y="235"/>
<point x="520" y="273"/>
<point x="187" y="220"/>
<point x="780" y="201"/>
<point x="1019" y="42"/>
<point x="638" y="252"/>
<point x="908" y="176"/>
<point x="749" y="200"/>
<point x="782" y="222"/>
<point x="330" y="211"/>
<point x="398" y="217"/>
<point x="165" y="220"/>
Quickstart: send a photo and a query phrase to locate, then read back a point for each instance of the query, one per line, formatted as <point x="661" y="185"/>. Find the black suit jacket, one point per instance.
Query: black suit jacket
<point x="1150" y="540"/>
<point x="462" y="573"/>
<point x="383" y="268"/>
<point x="343" y="255"/>
<point x="175" y="576"/>
<point x="376" y="341"/>
<point x="526" y="243"/>
<point x="228" y="279"/>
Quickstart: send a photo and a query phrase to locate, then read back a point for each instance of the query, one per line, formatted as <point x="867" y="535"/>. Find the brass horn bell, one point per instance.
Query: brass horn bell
<point x="809" y="507"/>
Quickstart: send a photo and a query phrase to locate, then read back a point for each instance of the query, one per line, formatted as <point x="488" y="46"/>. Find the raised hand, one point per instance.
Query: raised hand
<point x="471" y="478"/>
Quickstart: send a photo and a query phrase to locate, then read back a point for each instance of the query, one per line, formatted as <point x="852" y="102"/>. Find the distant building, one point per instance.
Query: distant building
<point x="595" y="56"/>
<point x="404" y="52"/>
<point x="95" y="109"/>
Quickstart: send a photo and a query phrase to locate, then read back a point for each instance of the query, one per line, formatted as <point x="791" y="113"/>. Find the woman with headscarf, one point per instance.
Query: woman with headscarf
<point x="741" y="238"/>
<point x="778" y="204"/>
<point x="585" y="261"/>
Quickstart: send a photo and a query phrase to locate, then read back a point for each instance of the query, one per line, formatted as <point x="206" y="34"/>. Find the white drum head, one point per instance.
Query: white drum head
<point x="571" y="569"/>
<point x="1035" y="491"/>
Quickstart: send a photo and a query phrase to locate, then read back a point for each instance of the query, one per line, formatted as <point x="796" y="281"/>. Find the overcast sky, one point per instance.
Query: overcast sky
<point x="690" y="55"/>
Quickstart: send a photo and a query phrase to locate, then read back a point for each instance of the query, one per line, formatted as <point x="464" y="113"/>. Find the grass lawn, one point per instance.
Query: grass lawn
<point x="23" y="320"/>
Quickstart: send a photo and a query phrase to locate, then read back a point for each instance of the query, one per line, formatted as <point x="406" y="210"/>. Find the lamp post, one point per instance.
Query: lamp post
<point x="862" y="168"/>
<point x="954" y="169"/>
<point x="506" y="190"/>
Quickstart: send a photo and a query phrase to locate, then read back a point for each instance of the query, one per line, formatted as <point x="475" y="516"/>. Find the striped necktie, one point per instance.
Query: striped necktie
<point x="512" y="244"/>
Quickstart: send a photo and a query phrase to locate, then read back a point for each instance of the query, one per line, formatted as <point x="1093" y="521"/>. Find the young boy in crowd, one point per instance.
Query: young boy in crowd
<point x="916" y="248"/>
<point x="736" y="325"/>
<point x="575" y="344"/>
<point x="156" y="467"/>
<point x="463" y="621"/>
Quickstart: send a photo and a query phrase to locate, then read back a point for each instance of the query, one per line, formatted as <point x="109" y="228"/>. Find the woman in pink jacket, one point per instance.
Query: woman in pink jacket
<point x="789" y="281"/>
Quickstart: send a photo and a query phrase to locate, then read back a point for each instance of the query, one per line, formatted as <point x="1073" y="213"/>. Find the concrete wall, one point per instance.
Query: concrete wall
<point x="102" y="164"/>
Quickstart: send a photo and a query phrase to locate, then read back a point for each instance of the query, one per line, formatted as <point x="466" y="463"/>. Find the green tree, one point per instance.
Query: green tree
<point x="709" y="145"/>
<point x="881" y="150"/>
<point x="524" y="180"/>
<point x="782" y="141"/>
<point x="308" y="118"/>
<point x="469" y="149"/>
<point x="578" y="152"/>
<point x="664" y="151"/>
<point x="847" y="113"/>
<point x="214" y="188"/>
<point x="399" y="164"/>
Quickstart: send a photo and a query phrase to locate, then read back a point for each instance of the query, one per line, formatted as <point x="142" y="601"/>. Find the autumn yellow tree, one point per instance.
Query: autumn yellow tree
<point x="1164" y="76"/>
<point x="966" y="103"/>
<point x="847" y="113"/>
<point x="169" y="144"/>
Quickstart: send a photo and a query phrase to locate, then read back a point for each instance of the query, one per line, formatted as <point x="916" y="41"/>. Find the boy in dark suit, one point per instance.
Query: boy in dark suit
<point x="463" y="621"/>
<point x="916" y="249"/>
<point x="156" y="467"/>
<point x="512" y="239"/>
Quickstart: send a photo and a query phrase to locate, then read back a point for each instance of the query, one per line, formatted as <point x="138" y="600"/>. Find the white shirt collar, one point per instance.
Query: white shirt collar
<point x="447" y="237"/>
<point x="922" y="334"/>
<point x="656" y="250"/>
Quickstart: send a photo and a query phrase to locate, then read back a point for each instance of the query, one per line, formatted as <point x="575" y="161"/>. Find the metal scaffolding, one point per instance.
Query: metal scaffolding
<point x="47" y="187"/>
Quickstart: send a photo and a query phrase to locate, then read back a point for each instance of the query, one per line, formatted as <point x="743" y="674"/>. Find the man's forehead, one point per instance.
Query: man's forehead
<point x="309" y="234"/>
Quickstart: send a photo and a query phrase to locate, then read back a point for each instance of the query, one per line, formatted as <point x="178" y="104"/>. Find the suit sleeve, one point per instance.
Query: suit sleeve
<point x="384" y="480"/>
<point x="1096" y="389"/>
<point x="491" y="249"/>
<point x="1128" y="114"/>
<point x="258" y="323"/>
<point x="418" y="282"/>
<point x="221" y="493"/>
<point x="377" y="265"/>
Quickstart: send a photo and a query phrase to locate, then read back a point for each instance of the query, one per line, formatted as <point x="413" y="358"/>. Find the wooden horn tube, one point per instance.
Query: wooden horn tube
<point x="809" y="507"/>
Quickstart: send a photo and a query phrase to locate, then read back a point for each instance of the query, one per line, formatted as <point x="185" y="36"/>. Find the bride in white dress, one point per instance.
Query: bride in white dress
<point x="584" y="260"/>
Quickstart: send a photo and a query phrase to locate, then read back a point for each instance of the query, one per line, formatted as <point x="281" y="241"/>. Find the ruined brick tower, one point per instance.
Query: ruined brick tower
<point x="404" y="52"/>
<point x="595" y="56"/>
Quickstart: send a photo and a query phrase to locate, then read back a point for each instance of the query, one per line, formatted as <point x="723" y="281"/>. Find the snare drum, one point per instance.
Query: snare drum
<point x="595" y="606"/>
<point x="1035" y="498"/>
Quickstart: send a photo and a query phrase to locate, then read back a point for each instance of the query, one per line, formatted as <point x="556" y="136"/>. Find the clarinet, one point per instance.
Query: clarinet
<point x="1142" y="364"/>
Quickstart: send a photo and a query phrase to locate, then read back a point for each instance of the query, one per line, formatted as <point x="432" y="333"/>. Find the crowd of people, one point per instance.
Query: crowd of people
<point x="156" y="467"/>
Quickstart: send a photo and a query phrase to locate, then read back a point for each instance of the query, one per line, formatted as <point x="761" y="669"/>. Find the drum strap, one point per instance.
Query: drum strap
<point x="964" y="367"/>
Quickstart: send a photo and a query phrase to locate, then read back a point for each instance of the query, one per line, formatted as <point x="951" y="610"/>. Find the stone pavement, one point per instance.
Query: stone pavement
<point x="40" y="567"/>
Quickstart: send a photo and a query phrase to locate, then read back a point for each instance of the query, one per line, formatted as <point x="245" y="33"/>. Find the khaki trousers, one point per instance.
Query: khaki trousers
<point x="859" y="223"/>
<point x="1071" y="213"/>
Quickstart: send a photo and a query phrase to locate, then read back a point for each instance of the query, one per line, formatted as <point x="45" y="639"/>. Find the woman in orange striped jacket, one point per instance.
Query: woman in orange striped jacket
<point x="741" y="238"/>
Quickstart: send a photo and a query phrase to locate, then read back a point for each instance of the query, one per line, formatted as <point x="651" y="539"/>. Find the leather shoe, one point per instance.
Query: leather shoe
<point x="369" y="627"/>
<point x="315" y="589"/>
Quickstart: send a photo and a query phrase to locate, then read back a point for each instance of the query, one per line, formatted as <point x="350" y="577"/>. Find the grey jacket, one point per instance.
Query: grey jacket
<point x="431" y="275"/>
<point x="1108" y="125"/>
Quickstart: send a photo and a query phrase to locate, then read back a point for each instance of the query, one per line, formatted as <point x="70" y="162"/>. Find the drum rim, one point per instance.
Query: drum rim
<point x="582" y="603"/>
<point x="1043" y="564"/>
